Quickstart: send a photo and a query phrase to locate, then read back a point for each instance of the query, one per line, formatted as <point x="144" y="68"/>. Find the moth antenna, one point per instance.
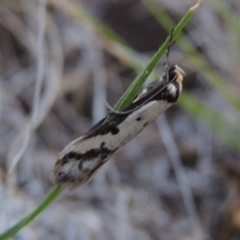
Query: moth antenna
<point x="112" y="110"/>
<point x="167" y="67"/>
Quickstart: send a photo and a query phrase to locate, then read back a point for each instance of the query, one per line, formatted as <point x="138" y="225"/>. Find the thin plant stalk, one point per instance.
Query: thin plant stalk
<point x="124" y="101"/>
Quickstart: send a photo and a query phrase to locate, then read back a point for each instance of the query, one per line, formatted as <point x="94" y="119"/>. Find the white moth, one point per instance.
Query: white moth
<point x="80" y="160"/>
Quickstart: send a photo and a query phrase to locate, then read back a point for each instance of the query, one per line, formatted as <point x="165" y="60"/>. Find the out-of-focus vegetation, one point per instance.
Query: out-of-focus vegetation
<point x="179" y="179"/>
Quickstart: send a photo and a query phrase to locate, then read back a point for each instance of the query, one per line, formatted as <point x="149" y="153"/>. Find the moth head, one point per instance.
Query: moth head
<point x="173" y="81"/>
<point x="176" y="74"/>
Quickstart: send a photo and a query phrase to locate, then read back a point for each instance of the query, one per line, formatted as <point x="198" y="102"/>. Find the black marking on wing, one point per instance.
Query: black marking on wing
<point x="111" y="125"/>
<point x="73" y="181"/>
<point x="98" y="155"/>
<point x="114" y="129"/>
<point x="101" y="152"/>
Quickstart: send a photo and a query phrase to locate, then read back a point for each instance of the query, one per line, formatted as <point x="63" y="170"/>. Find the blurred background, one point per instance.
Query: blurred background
<point x="61" y="59"/>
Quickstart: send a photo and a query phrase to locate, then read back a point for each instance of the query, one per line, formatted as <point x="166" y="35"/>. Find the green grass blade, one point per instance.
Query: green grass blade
<point x="124" y="101"/>
<point x="112" y="41"/>
<point x="13" y="230"/>
<point x="196" y="58"/>
<point x="215" y="121"/>
<point x="107" y="36"/>
<point x="223" y="8"/>
<point x="232" y="21"/>
<point x="134" y="88"/>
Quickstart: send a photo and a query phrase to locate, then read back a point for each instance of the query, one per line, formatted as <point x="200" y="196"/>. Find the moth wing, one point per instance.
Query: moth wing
<point x="71" y="145"/>
<point x="148" y="89"/>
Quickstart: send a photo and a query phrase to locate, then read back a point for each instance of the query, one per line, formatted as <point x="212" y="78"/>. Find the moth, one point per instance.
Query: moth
<point x="83" y="157"/>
